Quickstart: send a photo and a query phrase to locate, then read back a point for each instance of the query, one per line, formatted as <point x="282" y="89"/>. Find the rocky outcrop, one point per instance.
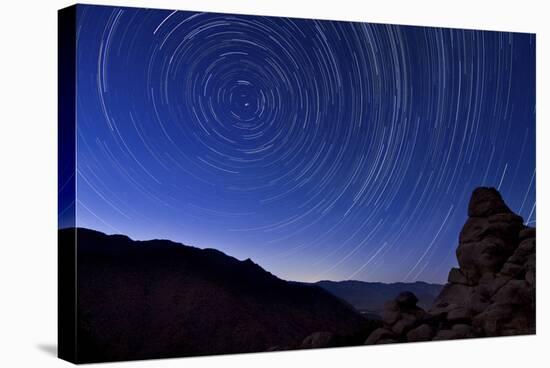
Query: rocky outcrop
<point x="400" y="317"/>
<point x="491" y="293"/>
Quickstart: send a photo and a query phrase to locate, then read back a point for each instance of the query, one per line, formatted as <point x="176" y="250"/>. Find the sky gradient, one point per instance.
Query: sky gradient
<point x="319" y="149"/>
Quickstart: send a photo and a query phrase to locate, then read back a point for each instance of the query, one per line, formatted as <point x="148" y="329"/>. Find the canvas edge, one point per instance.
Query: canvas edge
<point x="66" y="253"/>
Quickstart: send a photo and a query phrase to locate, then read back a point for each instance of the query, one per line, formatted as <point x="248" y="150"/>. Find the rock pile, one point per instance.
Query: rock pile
<point x="492" y="293"/>
<point x="401" y="317"/>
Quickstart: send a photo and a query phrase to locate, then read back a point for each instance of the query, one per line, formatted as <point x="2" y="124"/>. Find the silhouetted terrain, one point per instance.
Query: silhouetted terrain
<point x="151" y="299"/>
<point x="369" y="297"/>
<point x="154" y="299"/>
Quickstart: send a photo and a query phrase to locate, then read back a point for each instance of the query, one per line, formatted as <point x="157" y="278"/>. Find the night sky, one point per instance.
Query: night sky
<point x="319" y="149"/>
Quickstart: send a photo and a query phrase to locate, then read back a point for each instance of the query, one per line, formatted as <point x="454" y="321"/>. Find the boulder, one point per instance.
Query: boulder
<point x="474" y="230"/>
<point x="514" y="292"/>
<point x="457" y="277"/>
<point x="490" y="283"/>
<point x="528" y="245"/>
<point x="317" y="340"/>
<point x="512" y="270"/>
<point x="493" y="317"/>
<point x="505" y="226"/>
<point x="391" y="312"/>
<point x="523" y="251"/>
<point x="486" y="202"/>
<point x="453" y="294"/>
<point x="405" y="323"/>
<point x="406" y="299"/>
<point x="527" y="233"/>
<point x="463" y="331"/>
<point x="460" y="314"/>
<point x="487" y="255"/>
<point x="421" y="333"/>
<point x="478" y="301"/>
<point x="399" y="316"/>
<point x="380" y="334"/>
<point x="459" y="331"/>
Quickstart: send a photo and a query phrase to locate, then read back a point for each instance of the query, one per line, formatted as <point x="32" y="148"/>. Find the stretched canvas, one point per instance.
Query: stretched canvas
<point x="237" y="183"/>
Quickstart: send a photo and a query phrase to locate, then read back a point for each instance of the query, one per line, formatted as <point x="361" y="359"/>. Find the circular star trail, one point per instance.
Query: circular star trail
<point x="320" y="149"/>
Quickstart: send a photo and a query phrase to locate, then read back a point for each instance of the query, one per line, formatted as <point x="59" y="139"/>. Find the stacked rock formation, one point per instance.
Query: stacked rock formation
<point x="492" y="293"/>
<point x="401" y="317"/>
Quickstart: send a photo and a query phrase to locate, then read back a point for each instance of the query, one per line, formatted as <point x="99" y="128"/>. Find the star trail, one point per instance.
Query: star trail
<point x="319" y="149"/>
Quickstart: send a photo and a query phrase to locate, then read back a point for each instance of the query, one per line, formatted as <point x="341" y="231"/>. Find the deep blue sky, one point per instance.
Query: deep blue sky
<point x="320" y="149"/>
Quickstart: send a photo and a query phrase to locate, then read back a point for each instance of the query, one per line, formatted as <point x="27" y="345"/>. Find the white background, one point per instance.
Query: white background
<point x="28" y="195"/>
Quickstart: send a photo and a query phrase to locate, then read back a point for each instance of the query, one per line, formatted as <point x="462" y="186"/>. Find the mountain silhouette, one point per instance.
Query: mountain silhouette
<point x="157" y="298"/>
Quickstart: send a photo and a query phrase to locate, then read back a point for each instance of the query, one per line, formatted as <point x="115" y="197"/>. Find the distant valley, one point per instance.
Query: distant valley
<point x="369" y="297"/>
